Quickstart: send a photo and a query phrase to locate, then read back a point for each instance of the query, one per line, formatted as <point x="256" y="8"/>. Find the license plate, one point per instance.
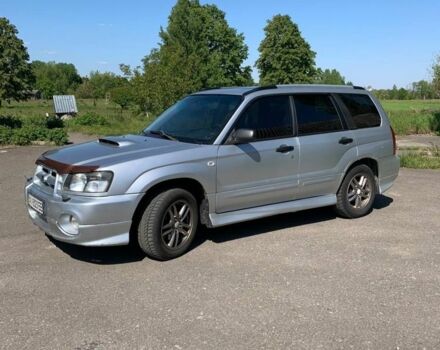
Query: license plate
<point x="36" y="204"/>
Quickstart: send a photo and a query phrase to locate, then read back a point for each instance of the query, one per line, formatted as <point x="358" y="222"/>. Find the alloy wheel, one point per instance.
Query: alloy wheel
<point x="359" y="191"/>
<point x="176" y="224"/>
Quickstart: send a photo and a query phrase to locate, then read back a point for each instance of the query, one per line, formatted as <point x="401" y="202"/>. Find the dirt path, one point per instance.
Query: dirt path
<point x="406" y="141"/>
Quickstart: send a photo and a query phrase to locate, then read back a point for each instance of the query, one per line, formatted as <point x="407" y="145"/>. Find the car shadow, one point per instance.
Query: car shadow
<point x="132" y="253"/>
<point x="274" y="223"/>
<point x="101" y="255"/>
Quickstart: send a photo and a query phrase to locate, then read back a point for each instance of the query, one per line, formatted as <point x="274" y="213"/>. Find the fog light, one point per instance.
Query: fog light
<point x="69" y="224"/>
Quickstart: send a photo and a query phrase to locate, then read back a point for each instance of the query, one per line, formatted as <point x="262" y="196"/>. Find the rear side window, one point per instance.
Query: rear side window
<point x="362" y="110"/>
<point x="316" y="114"/>
<point x="270" y="117"/>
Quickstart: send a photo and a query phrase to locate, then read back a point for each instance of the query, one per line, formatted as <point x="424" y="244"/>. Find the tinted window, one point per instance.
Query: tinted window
<point x="362" y="110"/>
<point x="197" y="118"/>
<point x="270" y="117"/>
<point x="316" y="114"/>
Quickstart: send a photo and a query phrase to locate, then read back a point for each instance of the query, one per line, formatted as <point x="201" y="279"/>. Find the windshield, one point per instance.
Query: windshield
<point x="196" y="118"/>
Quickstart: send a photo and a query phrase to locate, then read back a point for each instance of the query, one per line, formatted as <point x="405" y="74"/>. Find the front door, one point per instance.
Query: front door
<point x="264" y="171"/>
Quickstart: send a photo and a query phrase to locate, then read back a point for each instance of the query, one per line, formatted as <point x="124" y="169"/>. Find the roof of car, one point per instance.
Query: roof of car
<point x="246" y="90"/>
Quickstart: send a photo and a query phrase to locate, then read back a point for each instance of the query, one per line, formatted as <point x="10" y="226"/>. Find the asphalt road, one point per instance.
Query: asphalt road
<point x="304" y="280"/>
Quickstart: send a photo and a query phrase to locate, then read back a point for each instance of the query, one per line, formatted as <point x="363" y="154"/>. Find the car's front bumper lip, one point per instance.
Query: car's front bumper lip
<point x="103" y="221"/>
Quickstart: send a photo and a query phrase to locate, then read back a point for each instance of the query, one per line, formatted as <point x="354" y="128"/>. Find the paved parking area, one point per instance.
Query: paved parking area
<point x="304" y="280"/>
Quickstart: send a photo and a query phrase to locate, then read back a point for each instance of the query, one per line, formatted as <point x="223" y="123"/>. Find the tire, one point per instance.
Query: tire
<point x="357" y="192"/>
<point x="165" y="218"/>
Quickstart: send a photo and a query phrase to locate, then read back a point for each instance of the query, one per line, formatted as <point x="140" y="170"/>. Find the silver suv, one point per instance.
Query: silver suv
<point x="215" y="158"/>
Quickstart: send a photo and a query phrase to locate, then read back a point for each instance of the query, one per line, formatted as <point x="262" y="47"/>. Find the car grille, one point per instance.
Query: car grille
<point x="46" y="177"/>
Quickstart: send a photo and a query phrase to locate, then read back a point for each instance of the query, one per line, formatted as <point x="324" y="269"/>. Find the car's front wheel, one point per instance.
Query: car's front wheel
<point x="356" y="195"/>
<point x="168" y="224"/>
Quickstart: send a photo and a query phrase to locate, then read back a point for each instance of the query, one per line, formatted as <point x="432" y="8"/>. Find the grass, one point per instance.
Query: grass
<point x="408" y="105"/>
<point x="418" y="161"/>
<point x="407" y="116"/>
<point x="420" y="158"/>
<point x="413" y="116"/>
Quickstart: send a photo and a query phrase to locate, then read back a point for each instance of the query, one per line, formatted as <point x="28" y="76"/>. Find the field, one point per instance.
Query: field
<point x="413" y="116"/>
<point x="410" y="105"/>
<point x="407" y="116"/>
<point x="115" y="120"/>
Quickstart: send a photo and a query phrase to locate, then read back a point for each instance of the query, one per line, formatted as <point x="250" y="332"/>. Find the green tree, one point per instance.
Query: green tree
<point x="122" y="96"/>
<point x="402" y="94"/>
<point x="436" y="76"/>
<point x="285" y="56"/>
<point x="422" y="89"/>
<point x="393" y="94"/>
<point x="16" y="76"/>
<point x="85" y="89"/>
<point x="382" y="94"/>
<point x="55" y="78"/>
<point x="198" y="50"/>
<point x="102" y="83"/>
<point x="328" y="76"/>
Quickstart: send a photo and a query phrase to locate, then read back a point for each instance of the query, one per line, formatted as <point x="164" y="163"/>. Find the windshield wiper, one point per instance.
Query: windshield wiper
<point x="162" y="134"/>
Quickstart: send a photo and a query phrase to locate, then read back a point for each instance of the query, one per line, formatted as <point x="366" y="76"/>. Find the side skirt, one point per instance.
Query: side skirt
<point x="241" y="215"/>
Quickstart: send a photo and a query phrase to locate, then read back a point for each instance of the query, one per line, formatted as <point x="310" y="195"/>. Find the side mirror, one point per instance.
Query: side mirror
<point x="241" y="136"/>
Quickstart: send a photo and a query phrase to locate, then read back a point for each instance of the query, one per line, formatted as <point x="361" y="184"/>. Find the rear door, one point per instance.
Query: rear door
<point x="372" y="136"/>
<point x="264" y="171"/>
<point x="326" y="144"/>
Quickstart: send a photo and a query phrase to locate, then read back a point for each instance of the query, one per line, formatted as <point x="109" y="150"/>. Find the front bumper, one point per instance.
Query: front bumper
<point x="103" y="221"/>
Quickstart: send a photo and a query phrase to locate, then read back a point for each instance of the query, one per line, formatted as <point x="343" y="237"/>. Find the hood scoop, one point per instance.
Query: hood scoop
<point x="117" y="142"/>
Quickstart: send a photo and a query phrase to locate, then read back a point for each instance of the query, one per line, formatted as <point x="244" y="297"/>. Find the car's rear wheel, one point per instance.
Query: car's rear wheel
<point x="357" y="192"/>
<point x="168" y="224"/>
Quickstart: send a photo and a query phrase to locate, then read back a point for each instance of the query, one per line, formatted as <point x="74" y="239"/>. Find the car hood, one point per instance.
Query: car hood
<point x="115" y="149"/>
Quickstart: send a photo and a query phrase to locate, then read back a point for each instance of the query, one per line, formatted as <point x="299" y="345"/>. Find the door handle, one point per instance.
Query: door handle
<point x="285" y="149"/>
<point x="345" y="140"/>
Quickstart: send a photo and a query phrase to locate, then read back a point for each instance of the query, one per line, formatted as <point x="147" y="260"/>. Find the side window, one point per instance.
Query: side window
<point x="362" y="110"/>
<point x="316" y="114"/>
<point x="270" y="117"/>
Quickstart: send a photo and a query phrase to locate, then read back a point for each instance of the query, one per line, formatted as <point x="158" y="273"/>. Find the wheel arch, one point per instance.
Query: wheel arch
<point x="371" y="162"/>
<point x="189" y="184"/>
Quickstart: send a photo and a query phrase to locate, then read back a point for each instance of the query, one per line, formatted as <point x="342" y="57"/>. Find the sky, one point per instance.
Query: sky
<point x="372" y="43"/>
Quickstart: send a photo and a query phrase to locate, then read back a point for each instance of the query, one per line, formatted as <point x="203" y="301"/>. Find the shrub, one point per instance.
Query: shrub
<point x="10" y="122"/>
<point x="33" y="133"/>
<point x="21" y="137"/>
<point x="89" y="119"/>
<point x="435" y="123"/>
<point x="28" y="133"/>
<point x="57" y="135"/>
<point x="43" y="122"/>
<point x="5" y="135"/>
<point x="53" y="122"/>
<point x="34" y="122"/>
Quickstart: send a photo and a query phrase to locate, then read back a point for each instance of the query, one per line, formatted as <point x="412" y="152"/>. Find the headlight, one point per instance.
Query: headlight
<point x="96" y="182"/>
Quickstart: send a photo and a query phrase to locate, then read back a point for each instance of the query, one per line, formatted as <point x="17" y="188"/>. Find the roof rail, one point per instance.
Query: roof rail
<point x="358" y="88"/>
<point x="258" y="88"/>
<point x="211" y="88"/>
